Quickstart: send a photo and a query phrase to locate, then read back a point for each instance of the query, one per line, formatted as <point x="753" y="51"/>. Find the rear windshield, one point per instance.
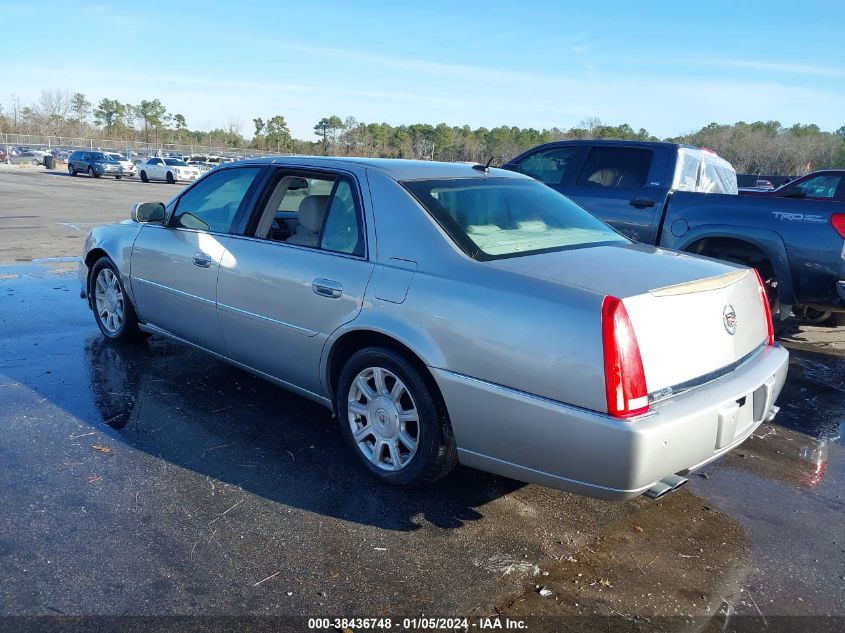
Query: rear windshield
<point x="175" y="162"/>
<point x="491" y="218"/>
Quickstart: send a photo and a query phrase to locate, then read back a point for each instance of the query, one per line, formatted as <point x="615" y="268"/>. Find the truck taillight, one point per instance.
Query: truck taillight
<point x="764" y="297"/>
<point x="838" y="222"/>
<point x="624" y="376"/>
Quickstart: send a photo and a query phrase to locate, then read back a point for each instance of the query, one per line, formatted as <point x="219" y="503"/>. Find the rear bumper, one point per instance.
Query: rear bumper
<point x="538" y="440"/>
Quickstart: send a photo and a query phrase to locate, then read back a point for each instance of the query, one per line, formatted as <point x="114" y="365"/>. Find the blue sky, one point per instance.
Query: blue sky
<point x="670" y="67"/>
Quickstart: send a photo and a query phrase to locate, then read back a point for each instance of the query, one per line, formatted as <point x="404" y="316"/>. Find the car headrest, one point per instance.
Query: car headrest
<point x="311" y="211"/>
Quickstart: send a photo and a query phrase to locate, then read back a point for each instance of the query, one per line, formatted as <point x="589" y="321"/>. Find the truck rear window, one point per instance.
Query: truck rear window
<point x="491" y="218"/>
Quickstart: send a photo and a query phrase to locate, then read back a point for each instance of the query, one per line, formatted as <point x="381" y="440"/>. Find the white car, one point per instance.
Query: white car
<point x="127" y="166"/>
<point x="168" y="169"/>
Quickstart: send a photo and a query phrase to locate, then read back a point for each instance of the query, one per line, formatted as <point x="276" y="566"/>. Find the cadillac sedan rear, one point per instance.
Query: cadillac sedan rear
<point x="581" y="361"/>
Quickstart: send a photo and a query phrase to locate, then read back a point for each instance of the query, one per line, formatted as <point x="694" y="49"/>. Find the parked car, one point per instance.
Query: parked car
<point x="828" y="184"/>
<point x="3" y="155"/>
<point x="127" y="167"/>
<point x="653" y="193"/>
<point x="170" y="170"/>
<point x="95" y="164"/>
<point x="27" y="157"/>
<point x="451" y="313"/>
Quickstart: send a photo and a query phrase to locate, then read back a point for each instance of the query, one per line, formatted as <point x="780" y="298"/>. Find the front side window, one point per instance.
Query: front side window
<point x="490" y="218"/>
<point x="548" y="166"/>
<point x="616" y="167"/>
<point x="212" y="203"/>
<point x="822" y="186"/>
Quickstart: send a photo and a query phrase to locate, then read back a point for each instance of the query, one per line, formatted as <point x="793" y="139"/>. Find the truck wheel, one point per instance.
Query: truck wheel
<point x="393" y="420"/>
<point x="811" y="315"/>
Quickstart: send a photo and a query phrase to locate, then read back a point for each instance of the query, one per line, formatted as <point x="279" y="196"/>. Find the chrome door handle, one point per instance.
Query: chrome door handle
<point x="202" y="260"/>
<point x="327" y="288"/>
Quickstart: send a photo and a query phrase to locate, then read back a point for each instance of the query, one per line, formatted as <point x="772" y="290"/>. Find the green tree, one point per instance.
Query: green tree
<point x="152" y="115"/>
<point x="278" y="134"/>
<point x="109" y="114"/>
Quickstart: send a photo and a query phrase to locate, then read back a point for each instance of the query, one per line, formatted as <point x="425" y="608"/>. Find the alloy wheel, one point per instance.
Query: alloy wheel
<point x="109" y="300"/>
<point x="384" y="418"/>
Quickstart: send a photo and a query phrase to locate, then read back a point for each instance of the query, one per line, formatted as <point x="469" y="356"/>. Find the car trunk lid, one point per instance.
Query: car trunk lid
<point x="693" y="317"/>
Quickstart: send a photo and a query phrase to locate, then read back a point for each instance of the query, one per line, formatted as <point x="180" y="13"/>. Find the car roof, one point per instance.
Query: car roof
<point x="395" y="168"/>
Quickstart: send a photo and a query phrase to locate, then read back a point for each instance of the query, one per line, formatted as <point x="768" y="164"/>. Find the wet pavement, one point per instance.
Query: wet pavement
<point x="151" y="479"/>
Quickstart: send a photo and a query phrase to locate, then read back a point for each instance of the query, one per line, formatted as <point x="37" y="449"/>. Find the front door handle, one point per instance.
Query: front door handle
<point x="641" y="203"/>
<point x="202" y="260"/>
<point x="327" y="288"/>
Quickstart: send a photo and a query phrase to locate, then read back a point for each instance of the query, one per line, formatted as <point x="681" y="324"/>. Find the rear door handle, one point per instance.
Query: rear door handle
<point x="327" y="288"/>
<point x="202" y="260"/>
<point x="641" y="203"/>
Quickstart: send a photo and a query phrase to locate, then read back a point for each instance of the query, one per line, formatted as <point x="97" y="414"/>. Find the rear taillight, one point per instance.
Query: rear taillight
<point x="764" y="297"/>
<point x="838" y="222"/>
<point x="624" y="377"/>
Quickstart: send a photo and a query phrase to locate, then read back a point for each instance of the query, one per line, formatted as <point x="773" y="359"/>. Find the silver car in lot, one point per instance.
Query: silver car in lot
<point x="451" y="313"/>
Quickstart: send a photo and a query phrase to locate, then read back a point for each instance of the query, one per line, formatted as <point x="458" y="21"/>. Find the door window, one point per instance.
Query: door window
<point x="212" y="203"/>
<point x="315" y="211"/>
<point x="548" y="166"/>
<point x="616" y="167"/>
<point x="821" y="186"/>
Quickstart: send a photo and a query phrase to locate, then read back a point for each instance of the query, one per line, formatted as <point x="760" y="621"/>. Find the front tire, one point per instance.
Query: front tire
<point x="393" y="419"/>
<point x="144" y="176"/>
<point x="92" y="173"/>
<point x="170" y="179"/>
<point x="113" y="311"/>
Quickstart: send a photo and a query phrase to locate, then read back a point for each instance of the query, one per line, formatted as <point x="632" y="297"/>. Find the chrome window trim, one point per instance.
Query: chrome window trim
<point x="179" y="293"/>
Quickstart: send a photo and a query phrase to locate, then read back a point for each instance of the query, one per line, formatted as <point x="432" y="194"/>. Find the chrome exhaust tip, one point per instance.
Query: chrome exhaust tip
<point x="665" y="486"/>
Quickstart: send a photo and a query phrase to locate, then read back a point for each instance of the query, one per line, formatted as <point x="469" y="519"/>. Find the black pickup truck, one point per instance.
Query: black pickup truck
<point x="684" y="198"/>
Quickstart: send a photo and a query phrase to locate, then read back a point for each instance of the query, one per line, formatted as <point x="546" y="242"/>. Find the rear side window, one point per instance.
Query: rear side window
<point x="342" y="231"/>
<point x="212" y="203"/>
<point x="548" y="166"/>
<point x="822" y="186"/>
<point x="616" y="167"/>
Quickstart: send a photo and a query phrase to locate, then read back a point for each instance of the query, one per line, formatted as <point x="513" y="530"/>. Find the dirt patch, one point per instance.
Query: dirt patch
<point x="674" y="557"/>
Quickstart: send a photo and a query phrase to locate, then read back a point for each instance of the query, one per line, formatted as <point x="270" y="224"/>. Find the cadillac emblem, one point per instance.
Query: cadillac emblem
<point x="729" y="319"/>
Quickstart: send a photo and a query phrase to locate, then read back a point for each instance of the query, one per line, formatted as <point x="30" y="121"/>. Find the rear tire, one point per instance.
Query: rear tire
<point x="144" y="176"/>
<point x="812" y="316"/>
<point x="118" y="177"/>
<point x="402" y="434"/>
<point x="71" y="171"/>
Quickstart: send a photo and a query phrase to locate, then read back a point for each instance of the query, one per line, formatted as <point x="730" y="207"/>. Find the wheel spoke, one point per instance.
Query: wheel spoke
<point x="409" y="442"/>
<point x="363" y="432"/>
<point x="393" y="447"/>
<point x="396" y="392"/>
<point x="364" y="388"/>
<point x="378" y="377"/>
<point x="357" y="408"/>
<point x="377" y="450"/>
<point x="408" y="416"/>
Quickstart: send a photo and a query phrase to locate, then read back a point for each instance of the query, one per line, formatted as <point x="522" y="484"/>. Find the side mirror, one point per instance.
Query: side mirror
<point x="148" y="212"/>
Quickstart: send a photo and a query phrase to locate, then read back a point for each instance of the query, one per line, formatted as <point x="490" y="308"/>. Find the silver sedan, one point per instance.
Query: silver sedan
<point x="451" y="313"/>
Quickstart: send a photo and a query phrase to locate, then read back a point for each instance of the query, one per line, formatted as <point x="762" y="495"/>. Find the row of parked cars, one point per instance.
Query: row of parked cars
<point x="97" y="163"/>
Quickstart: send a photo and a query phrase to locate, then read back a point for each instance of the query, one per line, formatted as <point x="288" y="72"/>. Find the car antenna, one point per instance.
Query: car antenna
<point x="483" y="168"/>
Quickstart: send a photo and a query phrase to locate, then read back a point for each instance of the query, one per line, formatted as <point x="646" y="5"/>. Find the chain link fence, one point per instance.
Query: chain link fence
<point x="40" y="141"/>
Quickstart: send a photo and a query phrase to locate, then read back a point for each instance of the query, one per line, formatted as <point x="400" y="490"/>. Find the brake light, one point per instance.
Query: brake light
<point x="624" y="376"/>
<point x="764" y="296"/>
<point x="838" y="222"/>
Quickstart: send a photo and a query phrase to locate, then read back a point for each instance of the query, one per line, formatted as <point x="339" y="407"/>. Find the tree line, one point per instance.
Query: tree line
<point x="756" y="148"/>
